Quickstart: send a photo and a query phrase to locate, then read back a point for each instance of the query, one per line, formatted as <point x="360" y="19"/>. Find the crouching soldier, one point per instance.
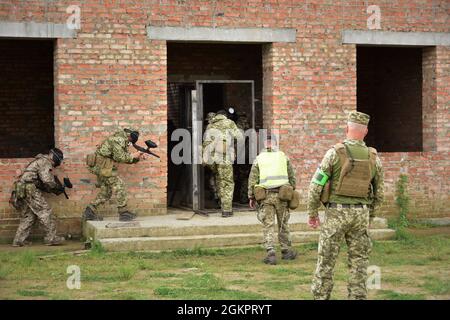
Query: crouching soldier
<point x="103" y="164"/>
<point x="27" y="197"/>
<point x="270" y="185"/>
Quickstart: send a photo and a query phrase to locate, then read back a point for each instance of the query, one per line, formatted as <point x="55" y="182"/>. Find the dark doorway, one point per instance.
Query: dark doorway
<point x="389" y="89"/>
<point x="26" y="98"/>
<point x="219" y="67"/>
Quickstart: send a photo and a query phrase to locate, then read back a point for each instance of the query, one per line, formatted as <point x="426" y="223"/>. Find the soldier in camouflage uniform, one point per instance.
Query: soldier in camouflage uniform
<point x="271" y="170"/>
<point x="212" y="168"/>
<point x="242" y="170"/>
<point x="36" y="179"/>
<point x="349" y="181"/>
<point x="113" y="150"/>
<point x="218" y="152"/>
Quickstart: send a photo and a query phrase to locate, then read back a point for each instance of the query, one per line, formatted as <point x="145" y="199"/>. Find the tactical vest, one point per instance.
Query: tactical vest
<point x="273" y="171"/>
<point x="356" y="172"/>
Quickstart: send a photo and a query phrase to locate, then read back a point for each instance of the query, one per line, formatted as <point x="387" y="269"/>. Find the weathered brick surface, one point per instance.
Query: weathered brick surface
<point x="111" y="75"/>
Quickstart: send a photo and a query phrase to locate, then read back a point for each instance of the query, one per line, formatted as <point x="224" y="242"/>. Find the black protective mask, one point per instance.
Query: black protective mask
<point x="57" y="156"/>
<point x="134" y="135"/>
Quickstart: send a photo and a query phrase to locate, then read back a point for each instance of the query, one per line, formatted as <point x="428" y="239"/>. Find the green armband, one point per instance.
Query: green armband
<point x="320" y="177"/>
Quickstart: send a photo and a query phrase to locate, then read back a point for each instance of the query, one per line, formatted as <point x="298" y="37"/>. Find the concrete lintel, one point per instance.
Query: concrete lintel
<point x="257" y="35"/>
<point x="396" y="38"/>
<point x="35" y="30"/>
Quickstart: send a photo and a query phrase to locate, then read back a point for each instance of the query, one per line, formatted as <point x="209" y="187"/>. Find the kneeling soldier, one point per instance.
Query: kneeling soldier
<point x="271" y="179"/>
<point x="29" y="200"/>
<point x="113" y="150"/>
<point x="349" y="182"/>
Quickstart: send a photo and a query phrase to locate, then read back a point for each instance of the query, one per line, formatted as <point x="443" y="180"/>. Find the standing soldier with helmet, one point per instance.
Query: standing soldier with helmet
<point x="212" y="183"/>
<point x="349" y="182"/>
<point x="242" y="169"/>
<point x="103" y="164"/>
<point x="218" y="151"/>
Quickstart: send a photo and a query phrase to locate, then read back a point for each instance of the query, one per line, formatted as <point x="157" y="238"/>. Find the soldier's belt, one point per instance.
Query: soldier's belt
<point x="273" y="190"/>
<point x="346" y="206"/>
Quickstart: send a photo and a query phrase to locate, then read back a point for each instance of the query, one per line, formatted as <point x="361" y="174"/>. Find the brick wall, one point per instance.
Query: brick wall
<point x="111" y="75"/>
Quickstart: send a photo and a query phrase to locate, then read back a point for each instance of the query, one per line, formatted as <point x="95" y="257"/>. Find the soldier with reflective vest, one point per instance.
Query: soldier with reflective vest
<point x="349" y="183"/>
<point x="271" y="184"/>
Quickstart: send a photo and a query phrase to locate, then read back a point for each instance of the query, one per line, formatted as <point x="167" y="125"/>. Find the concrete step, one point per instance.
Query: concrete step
<point x="214" y="240"/>
<point x="169" y="226"/>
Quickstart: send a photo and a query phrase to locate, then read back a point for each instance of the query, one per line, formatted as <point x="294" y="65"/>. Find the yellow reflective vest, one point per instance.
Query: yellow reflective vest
<point x="273" y="172"/>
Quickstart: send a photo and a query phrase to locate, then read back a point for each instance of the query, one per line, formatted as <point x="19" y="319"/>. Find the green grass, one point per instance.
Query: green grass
<point x="414" y="267"/>
<point x="394" y="295"/>
<point x="32" y="293"/>
<point x="437" y="286"/>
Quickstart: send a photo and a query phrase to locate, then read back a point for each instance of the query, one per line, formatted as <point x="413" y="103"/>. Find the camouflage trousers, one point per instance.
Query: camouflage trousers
<point x="211" y="178"/>
<point x="223" y="174"/>
<point x="35" y="208"/>
<point x="108" y="186"/>
<point x="268" y="209"/>
<point x="352" y="225"/>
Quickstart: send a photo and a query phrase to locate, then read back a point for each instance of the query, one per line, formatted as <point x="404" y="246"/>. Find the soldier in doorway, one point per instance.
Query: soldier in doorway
<point x="218" y="151"/>
<point x="242" y="169"/>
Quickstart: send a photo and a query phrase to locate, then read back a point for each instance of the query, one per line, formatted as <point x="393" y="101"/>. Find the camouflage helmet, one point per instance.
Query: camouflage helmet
<point x="222" y="112"/>
<point x="209" y="116"/>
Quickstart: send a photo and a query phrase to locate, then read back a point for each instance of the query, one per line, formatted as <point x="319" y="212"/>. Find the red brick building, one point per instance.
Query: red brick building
<point x="305" y="64"/>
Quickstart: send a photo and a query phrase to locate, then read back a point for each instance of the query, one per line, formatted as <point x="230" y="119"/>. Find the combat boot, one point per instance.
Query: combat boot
<point x="126" y="215"/>
<point x="90" y="215"/>
<point x="227" y="214"/>
<point x="21" y="244"/>
<point x="56" y="241"/>
<point x="270" y="258"/>
<point x="288" y="254"/>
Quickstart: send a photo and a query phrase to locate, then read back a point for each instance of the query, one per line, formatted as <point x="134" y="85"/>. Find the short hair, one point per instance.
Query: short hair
<point x="356" y="126"/>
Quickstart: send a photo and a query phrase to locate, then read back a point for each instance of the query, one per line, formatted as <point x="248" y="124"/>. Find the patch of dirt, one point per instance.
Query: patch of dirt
<point x="70" y="245"/>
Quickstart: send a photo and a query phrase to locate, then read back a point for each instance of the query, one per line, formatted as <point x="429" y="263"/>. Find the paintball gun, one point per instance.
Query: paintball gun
<point x="150" y="145"/>
<point x="63" y="186"/>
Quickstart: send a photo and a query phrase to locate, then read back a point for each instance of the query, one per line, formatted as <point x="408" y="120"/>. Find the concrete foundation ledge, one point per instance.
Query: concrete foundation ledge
<point x="364" y="37"/>
<point x="36" y="30"/>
